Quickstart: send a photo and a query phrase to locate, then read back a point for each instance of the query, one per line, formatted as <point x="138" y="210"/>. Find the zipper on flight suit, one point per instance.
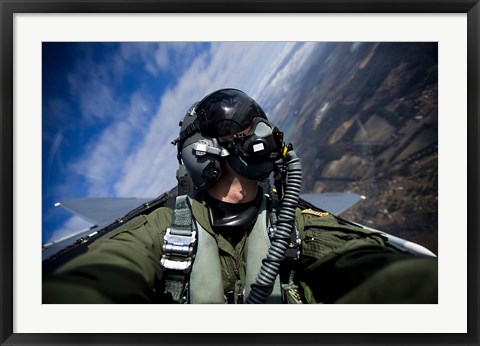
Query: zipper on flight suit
<point x="236" y="296"/>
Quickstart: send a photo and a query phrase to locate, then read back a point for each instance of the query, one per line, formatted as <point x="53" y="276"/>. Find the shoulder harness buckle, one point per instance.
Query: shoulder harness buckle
<point x="179" y="250"/>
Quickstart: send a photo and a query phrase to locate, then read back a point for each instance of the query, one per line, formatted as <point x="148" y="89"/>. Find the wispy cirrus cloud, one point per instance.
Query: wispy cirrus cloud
<point x="223" y="65"/>
<point x="102" y="162"/>
<point x="131" y="155"/>
<point x="291" y="68"/>
<point x="92" y="89"/>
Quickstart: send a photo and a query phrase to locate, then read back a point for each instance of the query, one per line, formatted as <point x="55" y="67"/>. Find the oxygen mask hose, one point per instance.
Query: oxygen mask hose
<point x="265" y="281"/>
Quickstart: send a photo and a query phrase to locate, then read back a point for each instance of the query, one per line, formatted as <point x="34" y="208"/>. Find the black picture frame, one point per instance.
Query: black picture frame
<point x="7" y="10"/>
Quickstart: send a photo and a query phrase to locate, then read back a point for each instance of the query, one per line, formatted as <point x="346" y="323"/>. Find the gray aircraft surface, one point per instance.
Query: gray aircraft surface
<point x="107" y="214"/>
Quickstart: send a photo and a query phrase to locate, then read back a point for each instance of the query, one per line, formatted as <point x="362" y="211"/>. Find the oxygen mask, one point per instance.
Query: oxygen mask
<point x="253" y="152"/>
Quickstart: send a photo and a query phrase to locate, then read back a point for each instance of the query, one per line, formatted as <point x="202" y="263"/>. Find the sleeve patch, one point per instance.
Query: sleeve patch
<point x="314" y="212"/>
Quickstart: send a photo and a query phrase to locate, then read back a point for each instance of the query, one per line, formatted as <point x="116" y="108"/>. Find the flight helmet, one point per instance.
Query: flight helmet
<point x="227" y="125"/>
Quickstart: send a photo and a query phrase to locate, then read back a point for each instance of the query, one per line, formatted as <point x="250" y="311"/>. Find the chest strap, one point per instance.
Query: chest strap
<point x="179" y="250"/>
<point x="191" y="261"/>
<point x="258" y="244"/>
<point x="206" y="284"/>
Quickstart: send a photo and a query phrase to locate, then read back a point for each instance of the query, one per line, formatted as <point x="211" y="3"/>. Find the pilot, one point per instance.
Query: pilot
<point x="234" y="239"/>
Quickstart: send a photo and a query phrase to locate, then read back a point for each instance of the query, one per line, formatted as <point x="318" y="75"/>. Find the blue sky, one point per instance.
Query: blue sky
<point x="110" y="111"/>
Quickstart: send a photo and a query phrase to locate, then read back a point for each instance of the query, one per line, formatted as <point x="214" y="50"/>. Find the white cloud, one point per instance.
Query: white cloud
<point x="72" y="226"/>
<point x="140" y="51"/>
<point x="133" y="157"/>
<point x="91" y="88"/>
<point x="160" y="57"/>
<point x="291" y="68"/>
<point x="102" y="161"/>
<point x="151" y="170"/>
<point x="226" y="65"/>
<point x="264" y="83"/>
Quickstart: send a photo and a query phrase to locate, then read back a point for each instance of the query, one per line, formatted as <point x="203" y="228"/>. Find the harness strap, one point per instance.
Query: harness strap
<point x="295" y="243"/>
<point x="206" y="285"/>
<point x="257" y="246"/>
<point x="191" y="262"/>
<point x="179" y="250"/>
<point x="290" y="292"/>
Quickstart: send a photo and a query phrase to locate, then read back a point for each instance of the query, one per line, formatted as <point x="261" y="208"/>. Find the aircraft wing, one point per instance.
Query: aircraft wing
<point x="103" y="212"/>
<point x="100" y="211"/>
<point x="333" y="202"/>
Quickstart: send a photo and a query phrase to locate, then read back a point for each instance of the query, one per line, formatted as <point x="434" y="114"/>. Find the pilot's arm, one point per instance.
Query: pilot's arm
<point x="122" y="267"/>
<point x="342" y="263"/>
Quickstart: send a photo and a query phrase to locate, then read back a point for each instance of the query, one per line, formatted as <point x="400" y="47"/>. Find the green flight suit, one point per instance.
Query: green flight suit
<point x="339" y="263"/>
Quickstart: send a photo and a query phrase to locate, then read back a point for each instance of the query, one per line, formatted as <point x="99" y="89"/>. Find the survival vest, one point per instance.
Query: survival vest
<point x="191" y="261"/>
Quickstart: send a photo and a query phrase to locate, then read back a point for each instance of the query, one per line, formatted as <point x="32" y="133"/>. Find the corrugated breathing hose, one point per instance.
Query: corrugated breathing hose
<point x="263" y="286"/>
